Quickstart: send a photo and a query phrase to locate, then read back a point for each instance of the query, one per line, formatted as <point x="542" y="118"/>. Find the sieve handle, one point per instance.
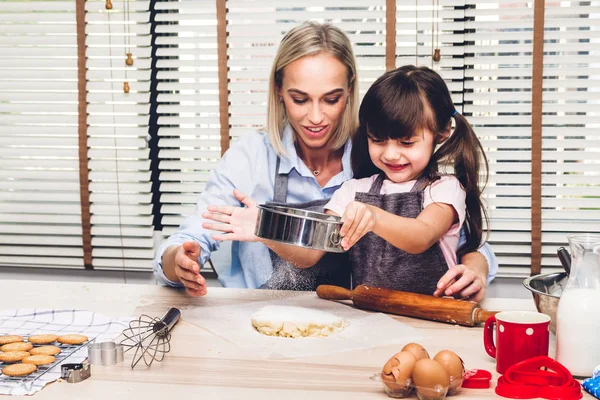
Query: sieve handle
<point x="335" y="238"/>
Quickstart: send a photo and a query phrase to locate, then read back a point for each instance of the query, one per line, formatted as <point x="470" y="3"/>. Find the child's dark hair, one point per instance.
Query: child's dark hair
<point x="406" y="101"/>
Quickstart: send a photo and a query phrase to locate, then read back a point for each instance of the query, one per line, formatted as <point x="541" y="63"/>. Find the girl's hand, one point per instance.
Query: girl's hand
<point x="463" y="283"/>
<point x="237" y="223"/>
<point x="359" y="219"/>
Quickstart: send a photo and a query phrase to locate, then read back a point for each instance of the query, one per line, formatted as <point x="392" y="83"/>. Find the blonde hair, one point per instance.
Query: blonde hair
<point x="309" y="39"/>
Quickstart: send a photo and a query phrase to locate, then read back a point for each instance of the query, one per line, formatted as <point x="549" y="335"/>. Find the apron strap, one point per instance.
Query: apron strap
<point x="420" y="184"/>
<point x="281" y="185"/>
<point x="377" y="185"/>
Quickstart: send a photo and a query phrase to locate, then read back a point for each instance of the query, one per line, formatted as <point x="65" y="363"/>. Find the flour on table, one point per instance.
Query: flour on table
<point x="288" y="321"/>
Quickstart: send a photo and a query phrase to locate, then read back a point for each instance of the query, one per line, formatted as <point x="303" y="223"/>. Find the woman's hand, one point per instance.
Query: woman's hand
<point x="359" y="219"/>
<point x="187" y="268"/>
<point x="462" y="282"/>
<point x="236" y="223"/>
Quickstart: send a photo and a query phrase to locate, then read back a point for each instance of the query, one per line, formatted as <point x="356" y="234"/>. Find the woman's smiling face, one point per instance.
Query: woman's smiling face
<point x="315" y="91"/>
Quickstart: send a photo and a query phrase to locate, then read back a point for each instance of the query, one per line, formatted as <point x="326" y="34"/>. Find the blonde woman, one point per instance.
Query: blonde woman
<point x="301" y="160"/>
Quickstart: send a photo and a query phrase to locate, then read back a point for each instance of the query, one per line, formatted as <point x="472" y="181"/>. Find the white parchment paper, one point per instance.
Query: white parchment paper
<point x="364" y="330"/>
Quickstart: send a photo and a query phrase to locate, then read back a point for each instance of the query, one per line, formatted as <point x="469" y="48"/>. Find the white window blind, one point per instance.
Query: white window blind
<point x="119" y="165"/>
<point x="498" y="61"/>
<point x="423" y="26"/>
<point x="486" y="59"/>
<point x="256" y="28"/>
<point x="188" y="82"/>
<point x="40" y="213"/>
<point x="188" y="104"/>
<point x="571" y="123"/>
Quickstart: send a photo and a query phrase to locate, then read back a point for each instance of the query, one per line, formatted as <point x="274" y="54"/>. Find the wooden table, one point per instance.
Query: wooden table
<point x="206" y="366"/>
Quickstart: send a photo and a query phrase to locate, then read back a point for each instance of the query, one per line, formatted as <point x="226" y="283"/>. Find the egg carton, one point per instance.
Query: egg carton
<point x="408" y="388"/>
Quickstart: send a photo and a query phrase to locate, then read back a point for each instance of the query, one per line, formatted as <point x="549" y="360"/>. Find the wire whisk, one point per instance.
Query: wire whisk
<point x="150" y="337"/>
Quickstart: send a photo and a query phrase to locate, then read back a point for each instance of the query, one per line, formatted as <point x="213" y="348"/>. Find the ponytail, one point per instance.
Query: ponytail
<point x="464" y="152"/>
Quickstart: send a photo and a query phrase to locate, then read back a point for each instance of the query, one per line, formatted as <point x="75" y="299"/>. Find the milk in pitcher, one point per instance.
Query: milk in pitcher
<point x="578" y="314"/>
<point x="578" y="324"/>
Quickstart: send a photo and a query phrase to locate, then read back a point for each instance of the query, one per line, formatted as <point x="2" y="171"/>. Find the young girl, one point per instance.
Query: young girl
<point x="402" y="216"/>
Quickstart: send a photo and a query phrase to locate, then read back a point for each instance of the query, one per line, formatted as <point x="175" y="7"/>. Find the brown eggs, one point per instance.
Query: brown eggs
<point x="431" y="378"/>
<point x="455" y="367"/>
<point x="396" y="373"/>
<point x="417" y="350"/>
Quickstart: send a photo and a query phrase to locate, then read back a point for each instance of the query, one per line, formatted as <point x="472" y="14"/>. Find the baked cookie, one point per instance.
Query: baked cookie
<point x="42" y="339"/>
<point x="6" y="339"/>
<point x="45" y="350"/>
<point x="17" y="346"/>
<point x="13" y="356"/>
<point x="40" y="359"/>
<point x="72" y="339"/>
<point x="18" y="369"/>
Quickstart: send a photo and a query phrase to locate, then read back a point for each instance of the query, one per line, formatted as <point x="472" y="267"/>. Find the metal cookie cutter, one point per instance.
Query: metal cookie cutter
<point x="105" y="353"/>
<point x="76" y="372"/>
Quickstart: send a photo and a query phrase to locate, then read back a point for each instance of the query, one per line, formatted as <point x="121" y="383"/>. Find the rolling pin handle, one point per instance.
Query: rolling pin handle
<point x="330" y="292"/>
<point x="480" y="315"/>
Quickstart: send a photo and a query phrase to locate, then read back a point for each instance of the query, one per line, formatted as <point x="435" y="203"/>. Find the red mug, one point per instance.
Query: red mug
<point x="519" y="335"/>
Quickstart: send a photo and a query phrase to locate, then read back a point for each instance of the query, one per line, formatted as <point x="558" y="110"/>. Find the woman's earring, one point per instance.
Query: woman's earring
<point x="280" y="99"/>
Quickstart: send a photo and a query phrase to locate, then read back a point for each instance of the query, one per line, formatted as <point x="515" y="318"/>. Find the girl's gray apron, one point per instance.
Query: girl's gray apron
<point x="375" y="262"/>
<point x="332" y="269"/>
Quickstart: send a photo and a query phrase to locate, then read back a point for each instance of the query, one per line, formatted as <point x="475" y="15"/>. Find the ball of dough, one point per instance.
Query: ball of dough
<point x="288" y="321"/>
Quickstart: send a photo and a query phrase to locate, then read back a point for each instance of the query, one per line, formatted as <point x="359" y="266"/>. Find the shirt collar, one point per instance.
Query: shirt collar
<point x="290" y="160"/>
<point x="293" y="161"/>
<point x="346" y="173"/>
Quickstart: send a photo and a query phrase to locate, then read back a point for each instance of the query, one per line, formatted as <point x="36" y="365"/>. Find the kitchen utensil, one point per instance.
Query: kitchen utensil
<point x="44" y="373"/>
<point x="105" y="353"/>
<point x="298" y="227"/>
<point x="578" y="312"/>
<point x="546" y="290"/>
<point x="150" y="337"/>
<point x="519" y="335"/>
<point x="565" y="259"/>
<point x="439" y="309"/>
<point x="477" y="379"/>
<point x="75" y="372"/>
<point x="538" y="377"/>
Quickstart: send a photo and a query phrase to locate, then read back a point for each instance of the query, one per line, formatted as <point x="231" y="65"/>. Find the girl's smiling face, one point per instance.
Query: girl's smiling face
<point x="402" y="159"/>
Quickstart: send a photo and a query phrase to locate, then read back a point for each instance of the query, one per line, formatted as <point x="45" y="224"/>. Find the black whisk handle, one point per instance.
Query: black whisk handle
<point x="167" y="321"/>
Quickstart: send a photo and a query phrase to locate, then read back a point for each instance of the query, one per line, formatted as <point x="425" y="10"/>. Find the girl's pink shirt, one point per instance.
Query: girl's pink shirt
<point x="447" y="190"/>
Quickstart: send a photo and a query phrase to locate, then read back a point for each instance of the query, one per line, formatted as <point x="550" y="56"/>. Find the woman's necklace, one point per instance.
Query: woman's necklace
<point x="316" y="171"/>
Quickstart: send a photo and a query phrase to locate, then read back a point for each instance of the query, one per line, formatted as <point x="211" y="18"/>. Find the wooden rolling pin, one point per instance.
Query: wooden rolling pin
<point x="441" y="309"/>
